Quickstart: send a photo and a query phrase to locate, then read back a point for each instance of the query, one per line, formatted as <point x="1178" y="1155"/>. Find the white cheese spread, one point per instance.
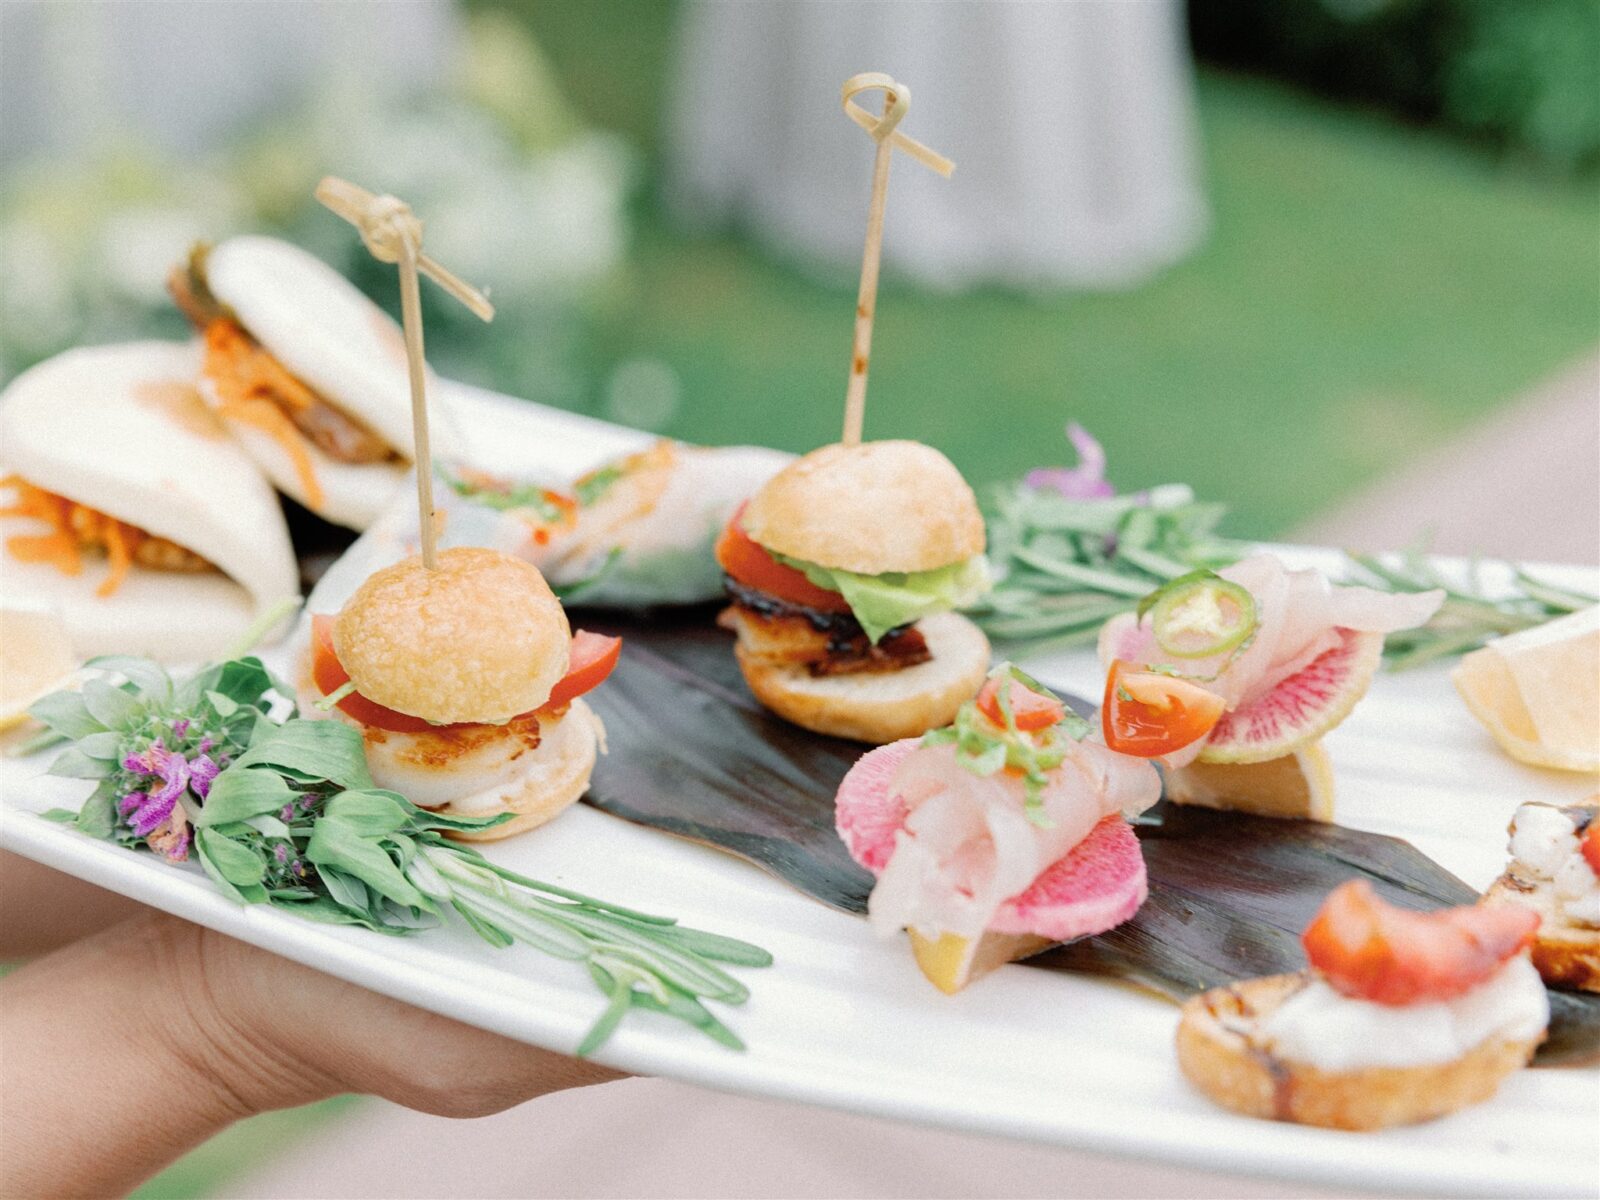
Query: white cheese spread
<point x="1321" y="1028"/>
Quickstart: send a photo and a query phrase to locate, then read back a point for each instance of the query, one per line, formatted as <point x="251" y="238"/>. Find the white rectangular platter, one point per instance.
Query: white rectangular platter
<point x="845" y="1020"/>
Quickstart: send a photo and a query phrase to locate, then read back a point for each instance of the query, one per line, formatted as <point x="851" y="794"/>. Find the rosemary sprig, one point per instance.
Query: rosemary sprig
<point x="1065" y="566"/>
<point x="1470" y="614"/>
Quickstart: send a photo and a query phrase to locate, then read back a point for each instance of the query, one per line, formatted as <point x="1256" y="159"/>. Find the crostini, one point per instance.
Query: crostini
<point x="1402" y="1017"/>
<point x="1555" y="872"/>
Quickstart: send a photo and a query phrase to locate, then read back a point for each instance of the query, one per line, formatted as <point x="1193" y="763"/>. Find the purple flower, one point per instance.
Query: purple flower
<point x="180" y="727"/>
<point x="146" y="813"/>
<point x="1086" y="481"/>
<point x="206" y="743"/>
<point x="167" y="765"/>
<point x="201" y="772"/>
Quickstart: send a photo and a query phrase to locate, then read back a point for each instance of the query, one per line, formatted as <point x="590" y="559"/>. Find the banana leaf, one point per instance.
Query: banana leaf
<point x="693" y="754"/>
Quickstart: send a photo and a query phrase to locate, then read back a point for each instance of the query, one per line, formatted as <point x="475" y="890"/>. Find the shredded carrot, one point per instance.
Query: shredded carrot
<point x="254" y="388"/>
<point x="75" y="528"/>
<point x="271" y="420"/>
<point x="119" y="552"/>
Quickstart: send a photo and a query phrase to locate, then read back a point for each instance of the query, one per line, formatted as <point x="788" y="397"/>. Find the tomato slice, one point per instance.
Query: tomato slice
<point x="593" y="657"/>
<point x="1369" y="949"/>
<point x="749" y="564"/>
<point x="1589" y="846"/>
<point x="1148" y="714"/>
<point x="1031" y="711"/>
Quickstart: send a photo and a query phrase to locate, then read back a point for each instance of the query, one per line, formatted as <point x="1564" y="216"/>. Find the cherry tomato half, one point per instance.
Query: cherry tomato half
<point x="1148" y="714"/>
<point x="1368" y="948"/>
<point x="752" y="566"/>
<point x="593" y="657"/>
<point x="1590" y="846"/>
<point x="1031" y="711"/>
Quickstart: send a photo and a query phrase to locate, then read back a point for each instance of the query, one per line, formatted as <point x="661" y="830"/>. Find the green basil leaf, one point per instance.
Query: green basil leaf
<point x="236" y="862"/>
<point x="98" y="815"/>
<point x="110" y="705"/>
<point x="104" y="745"/>
<point x="73" y="763"/>
<point x="346" y="889"/>
<point x="240" y="793"/>
<point x="267" y="826"/>
<point x="222" y="705"/>
<point x="59" y="816"/>
<point x="65" y="713"/>
<point x="311" y="751"/>
<point x="325" y="910"/>
<point x="340" y="846"/>
<point x="370" y="813"/>
<point x="244" y="680"/>
<point x="145" y="675"/>
<point x="422" y="819"/>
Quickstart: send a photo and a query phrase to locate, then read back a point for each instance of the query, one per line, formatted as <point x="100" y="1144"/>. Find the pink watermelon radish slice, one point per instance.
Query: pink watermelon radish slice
<point x="1099" y="884"/>
<point x="1292" y="715"/>
<point x="1300" y="709"/>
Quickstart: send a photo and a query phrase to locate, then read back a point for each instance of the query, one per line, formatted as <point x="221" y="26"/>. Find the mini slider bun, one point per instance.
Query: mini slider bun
<point x="1220" y="1053"/>
<point x="878" y="707"/>
<point x="869" y="508"/>
<point x="481" y="638"/>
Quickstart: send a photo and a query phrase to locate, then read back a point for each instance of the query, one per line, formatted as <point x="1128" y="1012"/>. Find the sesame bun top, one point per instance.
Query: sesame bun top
<point x="479" y="638"/>
<point x="869" y="508"/>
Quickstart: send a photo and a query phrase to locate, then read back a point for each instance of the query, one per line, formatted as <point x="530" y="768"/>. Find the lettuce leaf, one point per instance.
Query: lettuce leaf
<point x="894" y="598"/>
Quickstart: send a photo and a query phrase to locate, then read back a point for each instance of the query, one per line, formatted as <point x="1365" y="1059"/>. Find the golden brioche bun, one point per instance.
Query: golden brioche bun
<point x="881" y="706"/>
<point x="552" y="779"/>
<point x="1219" y="1055"/>
<point x="480" y="638"/>
<point x="869" y="508"/>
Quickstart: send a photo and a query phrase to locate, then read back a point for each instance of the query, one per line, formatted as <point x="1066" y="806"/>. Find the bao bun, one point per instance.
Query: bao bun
<point x="481" y="638"/>
<point x="869" y="508"/>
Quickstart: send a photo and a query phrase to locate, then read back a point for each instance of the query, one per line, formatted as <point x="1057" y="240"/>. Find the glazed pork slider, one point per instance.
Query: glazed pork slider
<point x="843" y="571"/>
<point x="465" y="682"/>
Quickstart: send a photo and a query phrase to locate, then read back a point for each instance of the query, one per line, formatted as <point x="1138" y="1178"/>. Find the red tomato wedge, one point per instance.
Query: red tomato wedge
<point x="593" y="657"/>
<point x="1369" y="949"/>
<point x="1031" y="711"/>
<point x="1589" y="846"/>
<point x="1148" y="714"/>
<point x="753" y="567"/>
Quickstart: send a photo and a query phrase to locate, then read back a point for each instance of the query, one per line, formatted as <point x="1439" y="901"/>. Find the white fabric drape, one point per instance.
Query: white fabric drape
<point x="1072" y="125"/>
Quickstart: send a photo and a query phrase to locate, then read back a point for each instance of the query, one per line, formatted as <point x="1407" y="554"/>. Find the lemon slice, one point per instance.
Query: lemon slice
<point x="1538" y="692"/>
<point x="35" y="657"/>
<point x="1299" y="784"/>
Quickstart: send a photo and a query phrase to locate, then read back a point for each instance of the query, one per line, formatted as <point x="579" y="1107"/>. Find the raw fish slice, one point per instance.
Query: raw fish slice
<point x="1098" y="884"/>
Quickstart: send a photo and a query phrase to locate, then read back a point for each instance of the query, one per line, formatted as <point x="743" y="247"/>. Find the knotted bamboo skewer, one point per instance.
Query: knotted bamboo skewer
<point x="896" y="102"/>
<point x="393" y="233"/>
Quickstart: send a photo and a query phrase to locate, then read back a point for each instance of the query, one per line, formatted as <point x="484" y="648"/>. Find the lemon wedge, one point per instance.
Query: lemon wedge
<point x="1299" y="784"/>
<point x="35" y="657"/>
<point x="950" y="961"/>
<point x="1538" y="692"/>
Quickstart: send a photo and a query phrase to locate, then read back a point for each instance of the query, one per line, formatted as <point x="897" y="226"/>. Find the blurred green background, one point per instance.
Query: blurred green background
<point x="1370" y="287"/>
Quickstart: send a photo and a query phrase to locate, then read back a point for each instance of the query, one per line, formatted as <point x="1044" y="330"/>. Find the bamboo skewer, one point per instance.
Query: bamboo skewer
<point x="393" y="234"/>
<point x="896" y="102"/>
